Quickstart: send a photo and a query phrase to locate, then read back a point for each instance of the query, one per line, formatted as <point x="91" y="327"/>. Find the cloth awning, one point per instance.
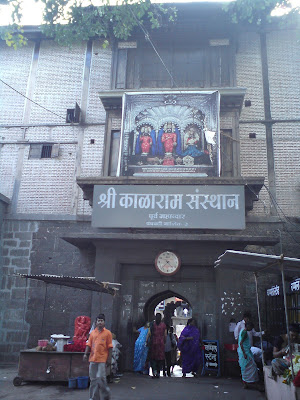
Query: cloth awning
<point x="254" y="262"/>
<point x="80" y="282"/>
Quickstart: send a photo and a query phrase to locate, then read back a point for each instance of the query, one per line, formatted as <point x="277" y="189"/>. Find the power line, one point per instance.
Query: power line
<point x="148" y="38"/>
<point x="274" y="201"/>
<point x="32" y="100"/>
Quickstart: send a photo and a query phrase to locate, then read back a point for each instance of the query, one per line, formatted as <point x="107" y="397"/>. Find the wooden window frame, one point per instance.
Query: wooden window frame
<point x="127" y="68"/>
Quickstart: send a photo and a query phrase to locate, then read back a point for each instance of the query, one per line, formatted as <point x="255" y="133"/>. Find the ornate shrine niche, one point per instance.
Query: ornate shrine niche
<point x="170" y="134"/>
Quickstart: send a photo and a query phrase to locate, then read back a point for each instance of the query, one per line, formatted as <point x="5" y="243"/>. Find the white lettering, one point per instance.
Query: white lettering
<point x="295" y="285"/>
<point x="109" y="199"/>
<point x="274" y="291"/>
<point x="218" y="201"/>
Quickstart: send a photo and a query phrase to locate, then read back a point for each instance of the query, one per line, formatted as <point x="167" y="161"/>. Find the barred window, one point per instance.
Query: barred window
<point x="44" y="150"/>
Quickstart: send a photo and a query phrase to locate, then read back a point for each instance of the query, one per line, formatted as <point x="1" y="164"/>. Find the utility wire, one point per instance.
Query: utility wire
<point x="277" y="205"/>
<point x="148" y="38"/>
<point x="32" y="100"/>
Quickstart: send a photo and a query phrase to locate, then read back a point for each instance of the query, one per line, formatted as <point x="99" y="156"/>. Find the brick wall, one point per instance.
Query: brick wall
<point x="15" y="69"/>
<point x="284" y="77"/>
<point x="8" y="164"/>
<point x="47" y="184"/>
<point x="59" y="81"/>
<point x="99" y="81"/>
<point x="284" y="73"/>
<point x="60" y="91"/>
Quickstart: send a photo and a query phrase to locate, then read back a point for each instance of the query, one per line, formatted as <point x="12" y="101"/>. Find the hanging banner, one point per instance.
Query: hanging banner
<point x="170" y="134"/>
<point x="169" y="207"/>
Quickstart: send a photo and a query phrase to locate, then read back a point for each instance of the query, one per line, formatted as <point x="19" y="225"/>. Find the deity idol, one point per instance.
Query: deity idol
<point x="192" y="142"/>
<point x="145" y="140"/>
<point x="145" y="143"/>
<point x="169" y="140"/>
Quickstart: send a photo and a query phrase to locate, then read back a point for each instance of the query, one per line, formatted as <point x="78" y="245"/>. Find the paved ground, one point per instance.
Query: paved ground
<point x="132" y="387"/>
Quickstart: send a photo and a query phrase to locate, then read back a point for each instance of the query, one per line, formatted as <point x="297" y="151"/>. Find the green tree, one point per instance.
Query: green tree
<point x="258" y="12"/>
<point x="69" y="22"/>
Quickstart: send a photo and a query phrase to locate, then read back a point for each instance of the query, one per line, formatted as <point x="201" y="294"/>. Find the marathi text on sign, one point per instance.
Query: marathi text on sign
<point x="168" y="201"/>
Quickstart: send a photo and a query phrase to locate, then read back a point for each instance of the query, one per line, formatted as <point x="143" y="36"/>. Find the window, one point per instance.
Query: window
<point x="46" y="151"/>
<point x="73" y="114"/>
<point x="192" y="65"/>
<point x="41" y="150"/>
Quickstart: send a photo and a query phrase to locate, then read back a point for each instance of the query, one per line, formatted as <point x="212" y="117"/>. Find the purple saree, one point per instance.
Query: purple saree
<point x="190" y="349"/>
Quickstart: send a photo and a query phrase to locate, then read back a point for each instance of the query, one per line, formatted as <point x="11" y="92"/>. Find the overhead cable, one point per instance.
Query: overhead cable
<point x="32" y="100"/>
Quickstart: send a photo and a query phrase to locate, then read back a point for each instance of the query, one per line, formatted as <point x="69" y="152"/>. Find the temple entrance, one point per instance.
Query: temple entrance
<point x="176" y="310"/>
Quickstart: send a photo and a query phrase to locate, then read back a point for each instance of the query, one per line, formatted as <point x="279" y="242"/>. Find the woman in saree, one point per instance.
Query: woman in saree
<point x="189" y="345"/>
<point x="141" y="349"/>
<point x="246" y="359"/>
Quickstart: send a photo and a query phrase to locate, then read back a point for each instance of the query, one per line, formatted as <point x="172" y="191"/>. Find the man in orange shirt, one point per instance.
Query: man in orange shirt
<point x="100" y="347"/>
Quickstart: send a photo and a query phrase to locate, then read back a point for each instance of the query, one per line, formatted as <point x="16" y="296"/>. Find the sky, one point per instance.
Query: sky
<point x="32" y="10"/>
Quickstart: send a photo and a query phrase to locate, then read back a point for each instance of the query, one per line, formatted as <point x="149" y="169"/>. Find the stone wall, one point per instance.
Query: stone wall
<point x="32" y="310"/>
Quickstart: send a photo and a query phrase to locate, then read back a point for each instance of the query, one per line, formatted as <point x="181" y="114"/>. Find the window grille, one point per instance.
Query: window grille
<point x="41" y="150"/>
<point x="46" y="151"/>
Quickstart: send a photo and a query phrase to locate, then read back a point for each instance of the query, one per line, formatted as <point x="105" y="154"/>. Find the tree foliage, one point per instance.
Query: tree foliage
<point x="71" y="21"/>
<point x="258" y="12"/>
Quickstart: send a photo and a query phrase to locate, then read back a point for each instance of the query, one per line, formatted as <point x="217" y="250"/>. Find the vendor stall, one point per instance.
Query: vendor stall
<point x="59" y="365"/>
<point x="261" y="264"/>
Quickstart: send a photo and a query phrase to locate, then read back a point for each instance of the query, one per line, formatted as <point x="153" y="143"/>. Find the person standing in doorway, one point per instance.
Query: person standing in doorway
<point x="189" y="345"/>
<point x="158" y="333"/>
<point x="169" y="346"/>
<point x="99" y="346"/>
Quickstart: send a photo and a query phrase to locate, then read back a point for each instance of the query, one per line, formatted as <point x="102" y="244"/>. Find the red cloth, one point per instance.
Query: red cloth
<point x="77" y="346"/>
<point x="82" y="328"/>
<point x="296" y="381"/>
<point x="158" y="341"/>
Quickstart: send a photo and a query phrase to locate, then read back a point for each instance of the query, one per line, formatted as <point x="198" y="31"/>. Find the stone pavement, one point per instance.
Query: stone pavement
<point x="131" y="387"/>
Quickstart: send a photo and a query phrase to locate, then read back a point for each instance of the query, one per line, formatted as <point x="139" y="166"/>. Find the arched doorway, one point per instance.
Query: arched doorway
<point x="175" y="309"/>
<point x="172" y="306"/>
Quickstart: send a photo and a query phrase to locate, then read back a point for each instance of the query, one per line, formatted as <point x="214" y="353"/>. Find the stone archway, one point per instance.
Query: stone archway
<point x="153" y="301"/>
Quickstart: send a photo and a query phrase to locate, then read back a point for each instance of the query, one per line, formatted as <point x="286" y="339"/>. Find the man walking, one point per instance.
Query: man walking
<point x="99" y="346"/>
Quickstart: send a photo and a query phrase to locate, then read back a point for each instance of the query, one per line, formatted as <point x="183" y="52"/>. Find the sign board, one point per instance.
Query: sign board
<point x="170" y="134"/>
<point x="211" y="356"/>
<point x="169" y="207"/>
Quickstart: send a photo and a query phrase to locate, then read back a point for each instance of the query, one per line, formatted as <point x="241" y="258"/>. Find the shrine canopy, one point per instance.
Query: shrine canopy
<point x="254" y="262"/>
<point x="80" y="282"/>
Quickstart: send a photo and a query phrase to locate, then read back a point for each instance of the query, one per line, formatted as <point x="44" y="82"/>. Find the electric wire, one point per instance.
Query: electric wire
<point x="52" y="112"/>
<point x="274" y="201"/>
<point x="148" y="38"/>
